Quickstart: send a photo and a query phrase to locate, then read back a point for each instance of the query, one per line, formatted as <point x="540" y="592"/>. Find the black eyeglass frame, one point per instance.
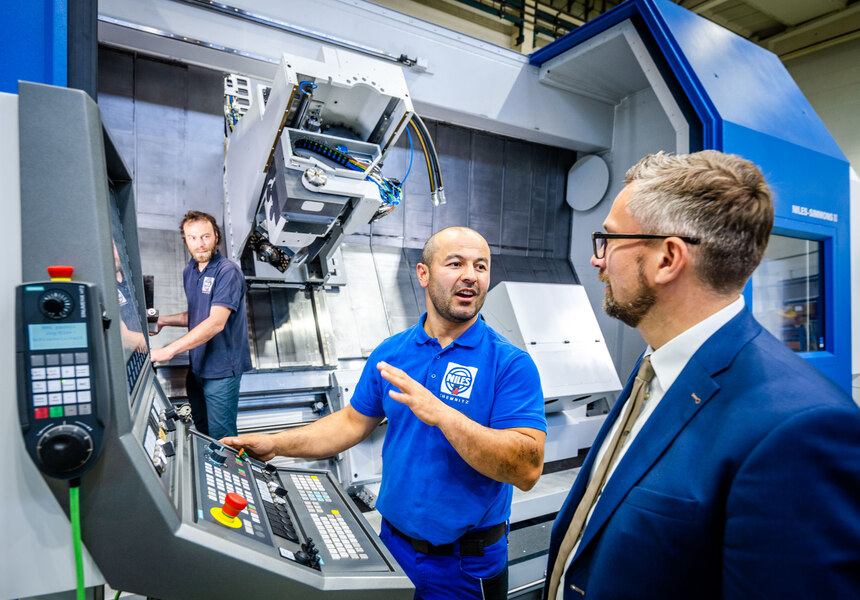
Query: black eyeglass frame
<point x="599" y="235"/>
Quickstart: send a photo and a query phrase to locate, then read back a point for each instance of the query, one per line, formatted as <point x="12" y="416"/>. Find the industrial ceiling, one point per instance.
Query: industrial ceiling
<point x="789" y="28"/>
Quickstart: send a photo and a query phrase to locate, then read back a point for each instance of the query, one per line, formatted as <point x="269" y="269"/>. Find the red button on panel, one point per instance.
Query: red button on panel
<point x="60" y="272"/>
<point x="41" y="413"/>
<point x="234" y="504"/>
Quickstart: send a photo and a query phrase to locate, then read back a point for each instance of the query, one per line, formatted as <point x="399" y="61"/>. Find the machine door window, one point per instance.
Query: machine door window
<point x="788" y="292"/>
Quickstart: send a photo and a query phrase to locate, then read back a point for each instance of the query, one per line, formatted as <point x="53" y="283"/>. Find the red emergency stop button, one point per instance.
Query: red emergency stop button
<point x="227" y="514"/>
<point x="60" y="272"/>
<point x="234" y="504"/>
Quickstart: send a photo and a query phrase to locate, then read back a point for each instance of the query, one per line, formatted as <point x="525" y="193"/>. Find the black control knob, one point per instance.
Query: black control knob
<point x="53" y="305"/>
<point x="64" y="449"/>
<point x="217" y="458"/>
<point x="56" y="304"/>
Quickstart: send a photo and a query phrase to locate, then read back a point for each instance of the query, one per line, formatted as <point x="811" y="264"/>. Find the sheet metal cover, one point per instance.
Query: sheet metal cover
<point x="556" y="325"/>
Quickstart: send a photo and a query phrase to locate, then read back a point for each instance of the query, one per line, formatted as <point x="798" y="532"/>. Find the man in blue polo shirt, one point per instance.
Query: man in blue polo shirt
<point x="217" y="338"/>
<point x="465" y="421"/>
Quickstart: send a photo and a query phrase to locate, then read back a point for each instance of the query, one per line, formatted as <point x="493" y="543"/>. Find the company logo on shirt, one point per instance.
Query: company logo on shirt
<point x="458" y="380"/>
<point x="208" y="282"/>
<point x="122" y="300"/>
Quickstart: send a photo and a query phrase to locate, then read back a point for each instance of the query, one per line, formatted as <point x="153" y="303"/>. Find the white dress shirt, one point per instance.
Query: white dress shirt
<point x="668" y="361"/>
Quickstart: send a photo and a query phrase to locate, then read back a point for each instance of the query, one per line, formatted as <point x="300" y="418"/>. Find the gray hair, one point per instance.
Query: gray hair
<point x="722" y="199"/>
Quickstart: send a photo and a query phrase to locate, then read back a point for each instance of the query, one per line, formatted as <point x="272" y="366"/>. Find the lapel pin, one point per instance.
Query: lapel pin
<point x="696" y="399"/>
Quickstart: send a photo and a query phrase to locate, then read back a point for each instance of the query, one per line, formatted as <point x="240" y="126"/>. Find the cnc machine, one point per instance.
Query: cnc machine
<point x="166" y="511"/>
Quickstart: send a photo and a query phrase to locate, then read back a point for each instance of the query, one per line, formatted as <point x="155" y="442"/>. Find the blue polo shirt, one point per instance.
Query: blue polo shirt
<point x="428" y="491"/>
<point x="221" y="283"/>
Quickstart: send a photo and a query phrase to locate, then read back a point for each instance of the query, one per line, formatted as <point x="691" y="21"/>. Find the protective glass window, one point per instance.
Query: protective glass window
<point x="788" y="292"/>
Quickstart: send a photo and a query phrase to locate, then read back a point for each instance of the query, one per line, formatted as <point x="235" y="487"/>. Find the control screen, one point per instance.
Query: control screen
<point x="57" y="336"/>
<point x="134" y="339"/>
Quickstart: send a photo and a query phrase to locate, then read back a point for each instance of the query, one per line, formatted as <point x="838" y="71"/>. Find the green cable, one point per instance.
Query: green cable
<point x="75" y="510"/>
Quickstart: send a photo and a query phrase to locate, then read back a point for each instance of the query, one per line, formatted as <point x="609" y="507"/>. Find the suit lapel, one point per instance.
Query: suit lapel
<point x="565" y="513"/>
<point x="582" y="478"/>
<point x="688" y="394"/>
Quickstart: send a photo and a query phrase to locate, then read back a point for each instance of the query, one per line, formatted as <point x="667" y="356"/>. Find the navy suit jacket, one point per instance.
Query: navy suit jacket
<point x="743" y="483"/>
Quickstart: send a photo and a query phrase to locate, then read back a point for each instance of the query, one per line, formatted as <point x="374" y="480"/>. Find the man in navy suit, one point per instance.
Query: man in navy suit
<point x="740" y="477"/>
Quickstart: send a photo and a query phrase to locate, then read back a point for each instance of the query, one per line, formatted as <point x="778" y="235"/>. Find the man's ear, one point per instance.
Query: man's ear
<point x="423" y="272"/>
<point x="674" y="258"/>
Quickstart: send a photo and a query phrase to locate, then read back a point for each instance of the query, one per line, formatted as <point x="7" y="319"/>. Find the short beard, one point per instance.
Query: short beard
<point x="445" y="307"/>
<point x="630" y="313"/>
<point x="209" y="254"/>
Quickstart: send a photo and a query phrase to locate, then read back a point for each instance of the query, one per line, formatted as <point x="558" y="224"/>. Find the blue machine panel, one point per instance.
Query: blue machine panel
<point x="34" y="44"/>
<point x="749" y="105"/>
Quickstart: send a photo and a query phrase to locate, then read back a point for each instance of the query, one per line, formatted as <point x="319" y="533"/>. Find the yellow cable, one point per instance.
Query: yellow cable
<point x="432" y="147"/>
<point x="426" y="155"/>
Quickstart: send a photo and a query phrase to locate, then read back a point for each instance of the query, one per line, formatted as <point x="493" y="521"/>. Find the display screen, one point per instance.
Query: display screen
<point x="134" y="336"/>
<point x="58" y="336"/>
<point x="788" y="292"/>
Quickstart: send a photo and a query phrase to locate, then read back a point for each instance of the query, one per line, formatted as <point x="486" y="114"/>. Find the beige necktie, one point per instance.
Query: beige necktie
<point x="592" y="492"/>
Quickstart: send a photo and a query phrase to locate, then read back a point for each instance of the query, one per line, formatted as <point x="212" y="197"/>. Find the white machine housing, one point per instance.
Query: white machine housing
<point x="556" y="325"/>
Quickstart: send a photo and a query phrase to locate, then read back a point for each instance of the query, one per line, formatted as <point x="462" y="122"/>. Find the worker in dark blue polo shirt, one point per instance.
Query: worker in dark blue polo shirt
<point x="465" y="422"/>
<point x="217" y="338"/>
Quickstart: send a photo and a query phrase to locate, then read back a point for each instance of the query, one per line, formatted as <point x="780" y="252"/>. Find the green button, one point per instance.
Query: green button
<point x="56" y="411"/>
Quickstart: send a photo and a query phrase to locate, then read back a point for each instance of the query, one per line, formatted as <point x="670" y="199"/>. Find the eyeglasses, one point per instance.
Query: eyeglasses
<point x="598" y="240"/>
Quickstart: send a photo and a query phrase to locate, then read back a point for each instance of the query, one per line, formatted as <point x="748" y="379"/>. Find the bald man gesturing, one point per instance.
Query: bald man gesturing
<point x="465" y="423"/>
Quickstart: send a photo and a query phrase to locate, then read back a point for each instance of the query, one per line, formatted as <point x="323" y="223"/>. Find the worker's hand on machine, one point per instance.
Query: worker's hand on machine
<point x="258" y="445"/>
<point x="158" y="326"/>
<point x="161" y="354"/>
<point x="423" y="403"/>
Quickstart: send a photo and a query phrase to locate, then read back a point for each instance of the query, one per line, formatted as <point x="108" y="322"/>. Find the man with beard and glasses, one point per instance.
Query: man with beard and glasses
<point x="465" y="422"/>
<point x="217" y="338"/>
<point x="729" y="467"/>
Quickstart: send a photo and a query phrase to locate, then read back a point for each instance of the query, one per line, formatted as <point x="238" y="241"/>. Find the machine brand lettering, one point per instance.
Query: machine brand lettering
<point x="82" y="300"/>
<point x="207" y="285"/>
<point x="458" y="380"/>
<point x="822" y="215"/>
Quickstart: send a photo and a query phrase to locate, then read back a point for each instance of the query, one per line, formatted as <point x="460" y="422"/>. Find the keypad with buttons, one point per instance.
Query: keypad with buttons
<point x="60" y="384"/>
<point x="339" y="539"/>
<point x="288" y="509"/>
<point x="220" y="477"/>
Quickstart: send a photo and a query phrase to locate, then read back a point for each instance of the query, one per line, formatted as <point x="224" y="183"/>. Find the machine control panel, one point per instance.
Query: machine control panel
<point x="221" y="472"/>
<point x="60" y="344"/>
<point x="302" y="515"/>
